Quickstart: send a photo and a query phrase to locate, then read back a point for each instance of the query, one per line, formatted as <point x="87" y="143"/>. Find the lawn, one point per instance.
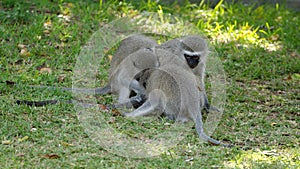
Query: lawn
<point x="257" y="46"/>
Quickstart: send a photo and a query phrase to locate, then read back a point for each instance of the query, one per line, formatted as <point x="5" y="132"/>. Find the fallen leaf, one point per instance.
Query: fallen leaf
<point x="167" y="124"/>
<point x="33" y="129"/>
<point x="190" y="159"/>
<point x="270" y="153"/>
<point x="47" y="32"/>
<point x="116" y="112"/>
<point x="274" y="37"/>
<point x="110" y="57"/>
<point x="294" y="54"/>
<point x="70" y="5"/>
<point x="105" y="50"/>
<point x="48" y="25"/>
<point x="50" y="156"/>
<point x="21" y="46"/>
<point x="65" y="144"/>
<point x="20" y="155"/>
<point x="45" y="69"/>
<point x="288" y="78"/>
<point x="112" y="120"/>
<point x="23" y="139"/>
<point x="6" y="142"/>
<point x="24" y="52"/>
<point x="102" y="106"/>
<point x="273" y="124"/>
<point x="61" y="78"/>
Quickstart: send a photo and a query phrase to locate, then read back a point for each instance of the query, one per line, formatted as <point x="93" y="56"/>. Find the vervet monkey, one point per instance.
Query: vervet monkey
<point x="127" y="46"/>
<point x="175" y="93"/>
<point x="122" y="78"/>
<point x="192" y="49"/>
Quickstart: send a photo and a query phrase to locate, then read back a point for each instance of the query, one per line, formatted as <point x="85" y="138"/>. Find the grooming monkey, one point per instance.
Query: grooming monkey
<point x="127" y="46"/>
<point x="138" y="48"/>
<point x="176" y="94"/>
<point x="122" y="78"/>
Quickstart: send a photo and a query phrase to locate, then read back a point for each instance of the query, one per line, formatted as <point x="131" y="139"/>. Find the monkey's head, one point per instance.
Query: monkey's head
<point x="144" y="58"/>
<point x="194" y="49"/>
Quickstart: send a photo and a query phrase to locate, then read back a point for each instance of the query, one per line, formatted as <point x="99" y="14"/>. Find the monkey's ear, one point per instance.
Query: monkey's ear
<point x="134" y="64"/>
<point x="181" y="44"/>
<point x="184" y="46"/>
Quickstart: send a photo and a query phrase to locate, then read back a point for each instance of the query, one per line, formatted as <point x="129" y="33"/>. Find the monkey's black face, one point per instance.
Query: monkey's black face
<point x="192" y="60"/>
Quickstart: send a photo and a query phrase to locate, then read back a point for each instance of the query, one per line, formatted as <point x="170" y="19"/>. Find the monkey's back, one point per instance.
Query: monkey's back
<point x="131" y="66"/>
<point x="180" y="89"/>
<point x="128" y="46"/>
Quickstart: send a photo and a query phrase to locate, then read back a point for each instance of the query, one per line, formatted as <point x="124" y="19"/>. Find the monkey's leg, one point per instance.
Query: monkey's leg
<point x="206" y="102"/>
<point x="207" y="105"/>
<point x="145" y="109"/>
<point x="201" y="133"/>
<point x="124" y="93"/>
<point x="136" y="87"/>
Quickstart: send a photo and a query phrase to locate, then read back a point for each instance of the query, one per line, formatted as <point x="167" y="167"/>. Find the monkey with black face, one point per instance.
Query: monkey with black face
<point x="175" y="93"/>
<point x="193" y="50"/>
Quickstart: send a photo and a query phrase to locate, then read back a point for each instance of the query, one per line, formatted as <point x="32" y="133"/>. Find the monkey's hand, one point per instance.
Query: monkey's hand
<point x="138" y="100"/>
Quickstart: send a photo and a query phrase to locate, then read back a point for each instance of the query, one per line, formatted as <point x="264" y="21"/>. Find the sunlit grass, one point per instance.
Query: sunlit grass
<point x="289" y="158"/>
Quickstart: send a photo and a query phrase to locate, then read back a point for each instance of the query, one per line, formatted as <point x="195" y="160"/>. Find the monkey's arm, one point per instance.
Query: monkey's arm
<point x="144" y="110"/>
<point x="134" y="102"/>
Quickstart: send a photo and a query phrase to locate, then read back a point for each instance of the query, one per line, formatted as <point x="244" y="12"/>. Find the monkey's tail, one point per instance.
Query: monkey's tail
<point x="202" y="135"/>
<point x="49" y="102"/>
<point x="103" y="90"/>
<point x="98" y="91"/>
<point x="38" y="103"/>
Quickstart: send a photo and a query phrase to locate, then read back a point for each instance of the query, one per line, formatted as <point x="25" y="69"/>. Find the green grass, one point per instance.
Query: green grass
<point x="259" y="49"/>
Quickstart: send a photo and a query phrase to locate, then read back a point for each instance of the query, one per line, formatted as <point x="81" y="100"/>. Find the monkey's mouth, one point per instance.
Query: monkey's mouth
<point x="192" y="60"/>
